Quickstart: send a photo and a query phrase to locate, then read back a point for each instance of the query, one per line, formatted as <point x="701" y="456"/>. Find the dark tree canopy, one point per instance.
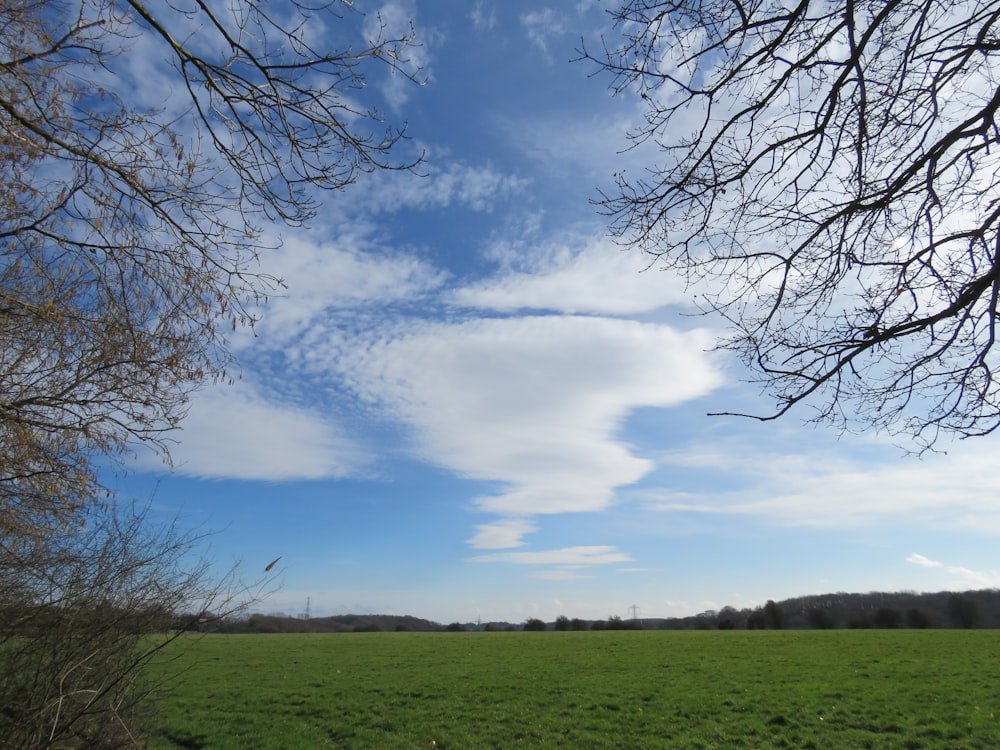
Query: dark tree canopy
<point x="829" y="182"/>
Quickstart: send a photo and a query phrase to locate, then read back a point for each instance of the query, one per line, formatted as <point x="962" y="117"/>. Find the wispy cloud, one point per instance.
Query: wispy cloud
<point x="565" y="564"/>
<point x="438" y="184"/>
<point x="543" y="25"/>
<point x="326" y="271"/>
<point x="962" y="577"/>
<point x="584" y="555"/>
<point x="566" y="573"/>
<point x="394" y="20"/>
<point x="233" y="432"/>
<point x="791" y="485"/>
<point x="599" y="278"/>
<point x="483" y="19"/>
<point x="570" y="144"/>
<point x="503" y="534"/>
<point x="918" y="559"/>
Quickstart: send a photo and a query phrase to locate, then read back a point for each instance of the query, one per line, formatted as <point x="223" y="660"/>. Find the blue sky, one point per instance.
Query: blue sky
<point x="470" y="403"/>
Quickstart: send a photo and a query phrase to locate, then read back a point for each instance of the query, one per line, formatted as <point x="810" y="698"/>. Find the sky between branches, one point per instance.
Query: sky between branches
<point x="469" y="402"/>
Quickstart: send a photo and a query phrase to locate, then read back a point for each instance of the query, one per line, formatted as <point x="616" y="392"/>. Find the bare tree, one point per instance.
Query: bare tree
<point x="829" y="184"/>
<point x="142" y="148"/>
<point x="82" y="610"/>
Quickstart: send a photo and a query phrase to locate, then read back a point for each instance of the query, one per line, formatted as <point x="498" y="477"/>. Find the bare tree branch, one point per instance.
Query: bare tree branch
<point x="830" y="183"/>
<point x="130" y="232"/>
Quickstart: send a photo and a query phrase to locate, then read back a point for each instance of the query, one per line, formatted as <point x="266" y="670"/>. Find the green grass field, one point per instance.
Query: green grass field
<point x="759" y="689"/>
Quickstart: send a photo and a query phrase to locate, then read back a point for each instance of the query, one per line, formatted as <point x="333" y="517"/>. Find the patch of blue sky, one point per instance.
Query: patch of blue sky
<point x="469" y="402"/>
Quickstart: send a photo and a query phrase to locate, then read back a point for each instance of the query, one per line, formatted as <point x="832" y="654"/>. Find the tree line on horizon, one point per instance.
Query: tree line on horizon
<point x="885" y="610"/>
<point x="875" y="609"/>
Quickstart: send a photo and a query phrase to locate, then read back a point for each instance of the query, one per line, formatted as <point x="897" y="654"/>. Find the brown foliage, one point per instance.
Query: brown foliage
<point x="129" y="231"/>
<point x="82" y="609"/>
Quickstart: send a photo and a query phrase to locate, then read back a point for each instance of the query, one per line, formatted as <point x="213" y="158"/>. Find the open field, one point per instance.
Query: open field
<point x="613" y="689"/>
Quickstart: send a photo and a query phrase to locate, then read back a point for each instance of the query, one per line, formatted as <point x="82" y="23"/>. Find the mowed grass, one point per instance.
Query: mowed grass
<point x="804" y="689"/>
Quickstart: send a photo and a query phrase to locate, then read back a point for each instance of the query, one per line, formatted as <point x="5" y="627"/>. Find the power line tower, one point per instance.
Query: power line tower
<point x="308" y="600"/>
<point x="634" y="609"/>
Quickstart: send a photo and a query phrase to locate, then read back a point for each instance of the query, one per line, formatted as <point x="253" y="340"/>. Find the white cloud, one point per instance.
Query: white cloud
<point x="234" y="433"/>
<point x="791" y="485"/>
<point x="502" y="534"/>
<point x="917" y="559"/>
<point x="962" y="577"/>
<point x="600" y="278"/>
<point x="584" y="555"/>
<point x="535" y="403"/>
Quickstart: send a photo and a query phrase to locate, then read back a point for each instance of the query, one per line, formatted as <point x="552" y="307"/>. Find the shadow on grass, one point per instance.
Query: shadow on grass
<point x="187" y="741"/>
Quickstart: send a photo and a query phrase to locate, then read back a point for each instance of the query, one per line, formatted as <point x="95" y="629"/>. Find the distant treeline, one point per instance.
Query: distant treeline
<point x="876" y="609"/>
<point x="281" y="623"/>
<point x="905" y="609"/>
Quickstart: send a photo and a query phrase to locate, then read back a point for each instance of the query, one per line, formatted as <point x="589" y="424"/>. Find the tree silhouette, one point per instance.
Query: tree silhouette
<point x="962" y="611"/>
<point x="830" y="185"/>
<point x="774" y="615"/>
